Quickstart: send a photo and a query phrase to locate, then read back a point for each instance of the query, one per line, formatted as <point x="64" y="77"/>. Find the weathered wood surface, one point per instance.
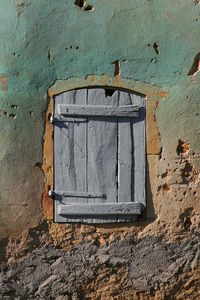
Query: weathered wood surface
<point x="69" y="154"/>
<point x="98" y="110"/>
<point x="102" y="151"/>
<point x="125" y="156"/>
<point x="139" y="151"/>
<point x="98" y="156"/>
<point x="102" y="209"/>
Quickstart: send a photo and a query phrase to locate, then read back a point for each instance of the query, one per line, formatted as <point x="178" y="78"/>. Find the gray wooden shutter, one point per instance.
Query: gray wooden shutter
<point x="99" y="156"/>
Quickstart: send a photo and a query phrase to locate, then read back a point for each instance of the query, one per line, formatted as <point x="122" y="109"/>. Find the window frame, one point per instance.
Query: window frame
<point x="126" y="212"/>
<point x="153" y="95"/>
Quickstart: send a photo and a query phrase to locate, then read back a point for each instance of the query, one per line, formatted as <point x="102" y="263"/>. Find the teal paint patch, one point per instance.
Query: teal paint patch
<point x="54" y="40"/>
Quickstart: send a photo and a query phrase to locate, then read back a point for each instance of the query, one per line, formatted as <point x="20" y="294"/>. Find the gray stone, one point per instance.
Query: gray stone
<point x="149" y="263"/>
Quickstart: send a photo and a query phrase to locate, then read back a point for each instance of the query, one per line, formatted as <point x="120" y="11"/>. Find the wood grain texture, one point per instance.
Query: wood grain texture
<point x="102" y="209"/>
<point x="98" y="160"/>
<point x="139" y="151"/>
<point x="98" y="110"/>
<point x="69" y="153"/>
<point x="125" y="156"/>
<point x="102" y="150"/>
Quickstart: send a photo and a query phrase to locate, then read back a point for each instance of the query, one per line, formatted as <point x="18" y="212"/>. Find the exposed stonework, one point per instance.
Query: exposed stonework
<point x="128" y="269"/>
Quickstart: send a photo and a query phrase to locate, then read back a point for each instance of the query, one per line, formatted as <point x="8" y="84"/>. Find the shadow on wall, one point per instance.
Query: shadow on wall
<point x="150" y="212"/>
<point x="147" y="217"/>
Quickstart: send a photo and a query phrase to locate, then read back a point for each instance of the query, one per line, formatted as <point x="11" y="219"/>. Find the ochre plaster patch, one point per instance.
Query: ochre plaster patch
<point x="4" y="83"/>
<point x="152" y="130"/>
<point x="47" y="203"/>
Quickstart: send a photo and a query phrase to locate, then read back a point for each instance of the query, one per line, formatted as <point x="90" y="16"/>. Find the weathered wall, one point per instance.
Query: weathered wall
<point x="46" y="45"/>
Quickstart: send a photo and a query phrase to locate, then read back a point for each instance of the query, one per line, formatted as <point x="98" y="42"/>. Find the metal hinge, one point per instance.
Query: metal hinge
<point x="50" y="193"/>
<point x="51" y="119"/>
<point x="76" y="194"/>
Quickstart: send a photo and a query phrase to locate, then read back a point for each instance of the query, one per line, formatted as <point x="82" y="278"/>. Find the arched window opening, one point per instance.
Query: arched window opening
<point x="99" y="156"/>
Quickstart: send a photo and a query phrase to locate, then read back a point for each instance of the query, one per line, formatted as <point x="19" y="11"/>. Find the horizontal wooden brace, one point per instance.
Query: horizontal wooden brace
<point x="98" y="111"/>
<point x="77" y="194"/>
<point x="125" y="208"/>
<point x="71" y="119"/>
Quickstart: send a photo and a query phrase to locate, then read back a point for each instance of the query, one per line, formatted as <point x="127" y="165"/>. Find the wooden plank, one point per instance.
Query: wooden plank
<point x="139" y="151"/>
<point x="102" y="152"/>
<point x="102" y="209"/>
<point x="69" y="154"/>
<point x="132" y="154"/>
<point x="99" y="110"/>
<point x="125" y="161"/>
<point x="125" y="156"/>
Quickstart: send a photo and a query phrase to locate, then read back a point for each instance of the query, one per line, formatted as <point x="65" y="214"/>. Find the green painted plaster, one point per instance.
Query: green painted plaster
<point x="45" y="40"/>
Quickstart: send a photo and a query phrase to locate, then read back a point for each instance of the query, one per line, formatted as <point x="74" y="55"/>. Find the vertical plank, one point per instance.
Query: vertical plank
<point x="102" y="152"/>
<point x="139" y="150"/>
<point x="69" y="154"/>
<point x="125" y="157"/>
<point x="131" y="154"/>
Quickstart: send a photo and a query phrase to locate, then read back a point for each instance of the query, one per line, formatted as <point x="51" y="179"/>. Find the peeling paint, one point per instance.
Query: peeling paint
<point x="182" y="148"/>
<point x="9" y="115"/>
<point x="196" y="66"/>
<point x="4" y="83"/>
<point x="83" y="5"/>
<point x="156" y="48"/>
<point x="19" y="6"/>
<point x="31" y="113"/>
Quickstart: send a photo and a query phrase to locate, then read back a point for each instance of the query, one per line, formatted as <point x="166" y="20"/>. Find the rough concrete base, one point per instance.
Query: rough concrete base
<point x="155" y="258"/>
<point x="131" y="268"/>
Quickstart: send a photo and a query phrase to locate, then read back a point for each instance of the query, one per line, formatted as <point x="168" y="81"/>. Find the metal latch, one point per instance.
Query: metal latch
<point x="76" y="194"/>
<point x="50" y="193"/>
<point x="51" y="119"/>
